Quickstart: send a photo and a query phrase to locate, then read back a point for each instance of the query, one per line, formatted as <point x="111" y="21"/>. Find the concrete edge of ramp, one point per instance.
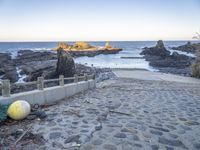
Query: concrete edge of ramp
<point x="51" y="94"/>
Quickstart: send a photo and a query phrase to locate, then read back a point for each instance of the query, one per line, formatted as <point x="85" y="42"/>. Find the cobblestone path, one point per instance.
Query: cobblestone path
<point x="125" y="114"/>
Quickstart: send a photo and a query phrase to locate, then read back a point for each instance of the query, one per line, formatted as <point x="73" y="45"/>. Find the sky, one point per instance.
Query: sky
<point x="98" y="20"/>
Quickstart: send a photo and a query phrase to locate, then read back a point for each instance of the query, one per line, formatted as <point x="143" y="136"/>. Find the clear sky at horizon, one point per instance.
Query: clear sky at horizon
<point x="98" y="20"/>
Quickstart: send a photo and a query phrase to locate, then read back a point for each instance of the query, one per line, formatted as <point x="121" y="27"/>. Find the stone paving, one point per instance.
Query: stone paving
<point x="125" y="114"/>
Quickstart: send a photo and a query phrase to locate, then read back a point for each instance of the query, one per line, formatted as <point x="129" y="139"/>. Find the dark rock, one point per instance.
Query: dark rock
<point x="98" y="127"/>
<point x="54" y="135"/>
<point x="189" y="47"/>
<point x="160" y="129"/>
<point x="73" y="138"/>
<point x="36" y="69"/>
<point x="192" y="123"/>
<point x="25" y="56"/>
<point x="156" y="132"/>
<point x="158" y="50"/>
<point x="169" y="148"/>
<point x="170" y="142"/>
<point x="109" y="147"/>
<point x="65" y="64"/>
<point x="173" y="135"/>
<point x="120" y="135"/>
<point x="8" y="67"/>
<point x="154" y="147"/>
<point x="97" y="142"/>
<point x="197" y="145"/>
<point x="135" y="137"/>
<point x="161" y="59"/>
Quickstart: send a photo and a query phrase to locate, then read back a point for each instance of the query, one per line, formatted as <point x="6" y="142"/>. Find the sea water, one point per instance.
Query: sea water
<point x="130" y="49"/>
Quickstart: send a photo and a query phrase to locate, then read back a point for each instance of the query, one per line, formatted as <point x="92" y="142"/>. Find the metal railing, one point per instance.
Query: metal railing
<point x="5" y="85"/>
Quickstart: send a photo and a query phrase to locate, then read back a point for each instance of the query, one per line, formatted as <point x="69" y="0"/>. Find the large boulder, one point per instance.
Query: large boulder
<point x="158" y="50"/>
<point x="65" y="64"/>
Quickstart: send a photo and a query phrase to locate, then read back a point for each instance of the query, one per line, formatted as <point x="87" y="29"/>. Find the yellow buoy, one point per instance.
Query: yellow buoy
<point x="18" y="110"/>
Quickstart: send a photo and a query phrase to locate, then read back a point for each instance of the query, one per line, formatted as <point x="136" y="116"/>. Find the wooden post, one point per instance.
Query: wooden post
<point x="61" y="80"/>
<point x="40" y="83"/>
<point x="86" y="77"/>
<point x="76" y="78"/>
<point x="6" y="88"/>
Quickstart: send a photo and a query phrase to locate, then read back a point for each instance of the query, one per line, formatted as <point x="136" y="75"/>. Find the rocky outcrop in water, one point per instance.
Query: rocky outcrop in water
<point x="160" y="58"/>
<point x="159" y="50"/>
<point x="189" y="47"/>
<point x="84" y="49"/>
<point x="65" y="64"/>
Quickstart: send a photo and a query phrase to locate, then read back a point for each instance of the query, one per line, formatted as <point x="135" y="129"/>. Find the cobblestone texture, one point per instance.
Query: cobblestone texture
<point x="126" y="114"/>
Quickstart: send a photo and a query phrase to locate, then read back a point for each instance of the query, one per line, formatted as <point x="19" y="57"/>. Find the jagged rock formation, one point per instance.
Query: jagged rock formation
<point x="192" y="48"/>
<point x="158" y="50"/>
<point x="65" y="64"/>
<point x="189" y="47"/>
<point x="159" y="57"/>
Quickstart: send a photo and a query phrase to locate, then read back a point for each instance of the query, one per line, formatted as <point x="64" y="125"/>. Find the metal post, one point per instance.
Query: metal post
<point x="40" y="83"/>
<point x="61" y="80"/>
<point x="75" y="78"/>
<point x="6" y="88"/>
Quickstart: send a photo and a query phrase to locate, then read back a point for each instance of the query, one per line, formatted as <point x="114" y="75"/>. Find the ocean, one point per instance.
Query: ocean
<point x="130" y="49"/>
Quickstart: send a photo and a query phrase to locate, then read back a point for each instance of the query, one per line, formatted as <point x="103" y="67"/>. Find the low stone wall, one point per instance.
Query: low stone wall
<point x="52" y="94"/>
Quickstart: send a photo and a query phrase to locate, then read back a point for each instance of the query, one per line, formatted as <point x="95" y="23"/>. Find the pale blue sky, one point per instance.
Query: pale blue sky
<point x="93" y="20"/>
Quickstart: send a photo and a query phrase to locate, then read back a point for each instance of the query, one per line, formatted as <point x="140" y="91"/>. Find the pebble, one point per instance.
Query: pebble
<point x="109" y="147"/>
<point x="97" y="142"/>
<point x="55" y="135"/>
<point x="73" y="138"/>
<point x="171" y="142"/>
<point x="192" y="123"/>
<point x="156" y="132"/>
<point x="120" y="135"/>
<point x="154" y="147"/>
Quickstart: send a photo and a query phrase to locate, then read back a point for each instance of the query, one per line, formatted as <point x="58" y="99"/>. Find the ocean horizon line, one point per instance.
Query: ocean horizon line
<point x="44" y="41"/>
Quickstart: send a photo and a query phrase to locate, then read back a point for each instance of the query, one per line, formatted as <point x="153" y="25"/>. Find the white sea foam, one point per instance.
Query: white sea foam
<point x="181" y="52"/>
<point x="21" y="77"/>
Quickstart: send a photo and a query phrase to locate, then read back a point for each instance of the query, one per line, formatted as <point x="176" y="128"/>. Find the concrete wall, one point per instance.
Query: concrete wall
<point x="51" y="94"/>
